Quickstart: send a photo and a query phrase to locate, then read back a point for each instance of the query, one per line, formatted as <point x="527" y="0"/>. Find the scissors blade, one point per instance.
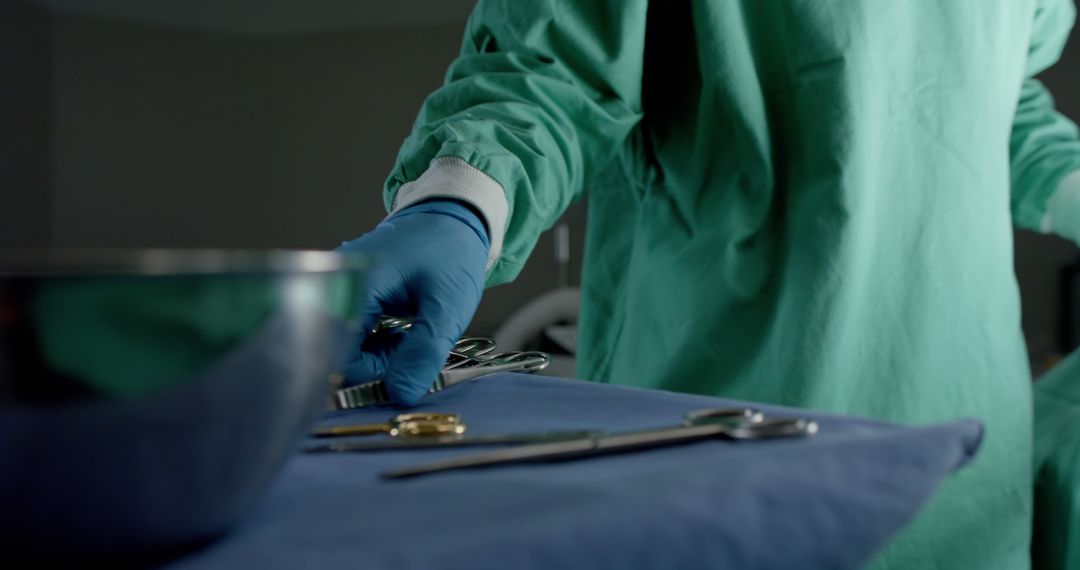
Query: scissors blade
<point x="470" y="360"/>
<point x="524" y="363"/>
<point x="447" y="441"/>
<point x="469" y="351"/>
<point x="565" y="450"/>
<point x="600" y="445"/>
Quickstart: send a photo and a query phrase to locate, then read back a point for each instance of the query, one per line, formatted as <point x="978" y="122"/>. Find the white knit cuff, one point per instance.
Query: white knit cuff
<point x="452" y="177"/>
<point x="1063" y="209"/>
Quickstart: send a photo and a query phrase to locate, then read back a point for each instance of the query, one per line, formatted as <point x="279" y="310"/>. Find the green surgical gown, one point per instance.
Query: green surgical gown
<point x="805" y="202"/>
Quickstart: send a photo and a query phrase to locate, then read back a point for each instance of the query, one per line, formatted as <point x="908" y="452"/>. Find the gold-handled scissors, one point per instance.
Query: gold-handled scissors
<point x="737" y="424"/>
<point x="417" y="424"/>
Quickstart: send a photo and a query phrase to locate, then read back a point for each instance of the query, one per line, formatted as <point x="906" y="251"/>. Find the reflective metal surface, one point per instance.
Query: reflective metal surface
<point x="147" y="398"/>
<point x="736" y="424"/>
<point x="469" y="359"/>
<point x="173" y="262"/>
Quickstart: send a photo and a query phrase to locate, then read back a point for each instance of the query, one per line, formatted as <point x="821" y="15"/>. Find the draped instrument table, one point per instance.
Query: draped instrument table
<point x="830" y="501"/>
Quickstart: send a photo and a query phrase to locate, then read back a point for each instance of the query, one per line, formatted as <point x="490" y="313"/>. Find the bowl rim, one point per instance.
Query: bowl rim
<point x="151" y="262"/>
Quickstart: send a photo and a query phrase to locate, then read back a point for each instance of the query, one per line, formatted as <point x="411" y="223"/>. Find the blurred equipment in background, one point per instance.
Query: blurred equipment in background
<point x="562" y="254"/>
<point x="548" y="323"/>
<point x="1068" y="285"/>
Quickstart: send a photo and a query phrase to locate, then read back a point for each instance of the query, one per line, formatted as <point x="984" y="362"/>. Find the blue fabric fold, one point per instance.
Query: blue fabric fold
<point x="831" y="501"/>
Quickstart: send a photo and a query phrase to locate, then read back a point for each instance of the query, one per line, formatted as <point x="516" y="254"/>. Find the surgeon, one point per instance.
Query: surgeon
<point x="805" y="203"/>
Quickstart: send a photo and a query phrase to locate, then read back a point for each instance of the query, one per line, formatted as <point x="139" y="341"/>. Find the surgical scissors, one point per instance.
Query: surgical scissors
<point x="472" y="368"/>
<point x="466" y="350"/>
<point x="417" y="424"/>
<point x="729" y="423"/>
<point x="469" y="349"/>
<point x="391" y="325"/>
<point x="352" y="445"/>
<point x="423" y="430"/>
<point x="469" y="359"/>
<point x="375" y="393"/>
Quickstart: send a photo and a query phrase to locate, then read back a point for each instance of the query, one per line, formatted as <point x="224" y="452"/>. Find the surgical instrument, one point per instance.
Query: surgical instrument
<point x="471" y="368"/>
<point x="529" y="361"/>
<point x="728" y="423"/>
<point x="469" y="349"/>
<point x="424" y="442"/>
<point x="391" y="325"/>
<point x="418" y="424"/>
<point x="464" y="349"/>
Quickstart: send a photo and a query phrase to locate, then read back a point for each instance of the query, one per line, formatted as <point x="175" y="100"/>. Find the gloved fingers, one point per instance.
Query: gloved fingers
<point x="385" y="295"/>
<point x="365" y="357"/>
<point x="370" y="313"/>
<point x="386" y="291"/>
<point x="365" y="366"/>
<point x="416" y="362"/>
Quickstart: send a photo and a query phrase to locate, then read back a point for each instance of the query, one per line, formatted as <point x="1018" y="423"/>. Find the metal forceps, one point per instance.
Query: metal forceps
<point x="469" y="349"/>
<point x="729" y="423"/>
<point x="472" y="368"/>
<point x="417" y="424"/>
<point x="375" y="393"/>
<point x="469" y="359"/>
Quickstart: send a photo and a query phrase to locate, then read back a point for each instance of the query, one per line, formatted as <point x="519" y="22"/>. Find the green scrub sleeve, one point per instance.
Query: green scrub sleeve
<point x="1045" y="145"/>
<point x="540" y="99"/>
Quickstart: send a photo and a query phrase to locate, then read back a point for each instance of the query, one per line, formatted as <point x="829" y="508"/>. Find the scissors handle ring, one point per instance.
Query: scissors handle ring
<point x="740" y="416"/>
<point x="392" y="325"/>
<point x="426" y="417"/>
<point x="474" y="346"/>
<point x="777" y="428"/>
<point x="422" y="428"/>
<point x="468" y="352"/>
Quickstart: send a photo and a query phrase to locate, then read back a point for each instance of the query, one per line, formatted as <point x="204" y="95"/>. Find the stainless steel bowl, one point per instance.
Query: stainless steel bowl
<point x="148" y="398"/>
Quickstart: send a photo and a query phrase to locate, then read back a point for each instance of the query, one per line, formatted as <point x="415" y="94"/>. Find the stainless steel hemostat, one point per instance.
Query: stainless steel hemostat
<point x="471" y="358"/>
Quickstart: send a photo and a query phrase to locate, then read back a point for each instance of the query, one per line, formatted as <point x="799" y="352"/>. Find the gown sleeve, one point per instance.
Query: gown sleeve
<point x="1045" y="145"/>
<point x="539" y="101"/>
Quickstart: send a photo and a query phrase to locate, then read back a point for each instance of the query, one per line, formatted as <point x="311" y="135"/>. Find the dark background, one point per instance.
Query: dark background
<point x="268" y="123"/>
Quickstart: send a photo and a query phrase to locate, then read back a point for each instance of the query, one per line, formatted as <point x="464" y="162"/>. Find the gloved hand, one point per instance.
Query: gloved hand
<point x="430" y="265"/>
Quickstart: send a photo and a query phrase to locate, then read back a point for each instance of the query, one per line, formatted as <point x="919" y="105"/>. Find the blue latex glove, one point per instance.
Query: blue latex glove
<point x="431" y="260"/>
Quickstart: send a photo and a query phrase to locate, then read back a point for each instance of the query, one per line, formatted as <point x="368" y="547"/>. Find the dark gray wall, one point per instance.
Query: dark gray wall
<point x="25" y="77"/>
<point x="186" y="137"/>
<point x="192" y="139"/>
